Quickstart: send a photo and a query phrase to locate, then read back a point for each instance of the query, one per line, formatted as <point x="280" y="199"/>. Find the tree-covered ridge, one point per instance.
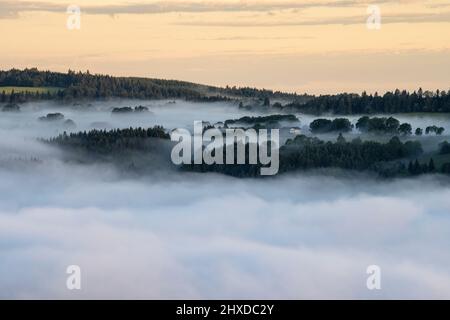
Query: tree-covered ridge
<point x="391" y="102"/>
<point x="105" y="142"/>
<point x="77" y="85"/>
<point x="74" y="85"/>
<point x="85" y="85"/>
<point x="264" y="94"/>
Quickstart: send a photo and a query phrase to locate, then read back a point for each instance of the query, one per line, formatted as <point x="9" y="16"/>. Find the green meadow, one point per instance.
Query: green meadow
<point x="8" y="90"/>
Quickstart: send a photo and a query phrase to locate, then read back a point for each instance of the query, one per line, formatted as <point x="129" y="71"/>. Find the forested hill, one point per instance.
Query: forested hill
<point x="32" y="84"/>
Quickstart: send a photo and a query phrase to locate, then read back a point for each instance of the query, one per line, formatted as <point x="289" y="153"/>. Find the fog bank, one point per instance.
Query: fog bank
<point x="190" y="235"/>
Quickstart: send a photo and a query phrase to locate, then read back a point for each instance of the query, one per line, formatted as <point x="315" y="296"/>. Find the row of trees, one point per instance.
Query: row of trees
<point x="416" y="168"/>
<point x="335" y="125"/>
<point x="391" y="102"/>
<point x="379" y="125"/>
<point x="24" y="96"/>
<point x="393" y="126"/>
<point x="263" y="94"/>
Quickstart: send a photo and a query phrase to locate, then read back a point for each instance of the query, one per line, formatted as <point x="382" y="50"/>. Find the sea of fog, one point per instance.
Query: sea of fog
<point x="173" y="235"/>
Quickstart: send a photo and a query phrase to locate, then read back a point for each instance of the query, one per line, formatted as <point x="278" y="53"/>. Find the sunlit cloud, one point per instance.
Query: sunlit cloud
<point x="443" y="17"/>
<point x="12" y="8"/>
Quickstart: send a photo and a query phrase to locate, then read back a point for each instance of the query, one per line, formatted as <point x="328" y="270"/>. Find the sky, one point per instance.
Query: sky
<point x="315" y="46"/>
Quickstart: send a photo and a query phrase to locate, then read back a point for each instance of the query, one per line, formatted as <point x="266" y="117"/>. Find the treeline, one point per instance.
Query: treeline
<point x="416" y="168"/>
<point x="13" y="97"/>
<point x="275" y="118"/>
<point x="108" y="141"/>
<point x="391" y="102"/>
<point x="303" y="153"/>
<point x="264" y="94"/>
<point x="377" y="125"/>
<point x="76" y="85"/>
<point x="392" y="125"/>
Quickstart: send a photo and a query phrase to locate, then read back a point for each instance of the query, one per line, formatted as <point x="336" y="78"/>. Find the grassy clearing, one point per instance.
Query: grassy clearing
<point x="8" y="90"/>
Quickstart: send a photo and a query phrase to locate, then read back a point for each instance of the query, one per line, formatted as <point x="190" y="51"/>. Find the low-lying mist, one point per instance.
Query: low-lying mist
<point x="98" y="115"/>
<point x="184" y="235"/>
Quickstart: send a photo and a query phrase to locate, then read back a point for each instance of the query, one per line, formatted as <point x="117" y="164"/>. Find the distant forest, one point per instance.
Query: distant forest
<point x="389" y="103"/>
<point x="79" y="85"/>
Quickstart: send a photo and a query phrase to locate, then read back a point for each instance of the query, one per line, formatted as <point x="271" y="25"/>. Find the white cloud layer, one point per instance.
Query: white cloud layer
<point x="213" y="237"/>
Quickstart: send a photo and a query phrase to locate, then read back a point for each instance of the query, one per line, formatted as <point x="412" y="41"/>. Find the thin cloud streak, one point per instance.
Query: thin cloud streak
<point x="386" y="19"/>
<point x="13" y="8"/>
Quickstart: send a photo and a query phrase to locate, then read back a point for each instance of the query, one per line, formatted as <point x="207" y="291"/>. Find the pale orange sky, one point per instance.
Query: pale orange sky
<point x="321" y="46"/>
